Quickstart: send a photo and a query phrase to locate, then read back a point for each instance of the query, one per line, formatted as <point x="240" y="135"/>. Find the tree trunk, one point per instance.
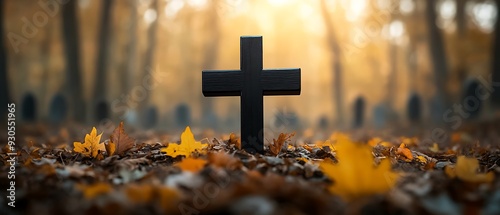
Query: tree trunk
<point x="149" y="55"/>
<point x="495" y="60"/>
<point x="210" y="58"/>
<point x="73" y="86"/>
<point x="336" y="63"/>
<point x="4" y="83"/>
<point x="461" y="18"/>
<point x="438" y="57"/>
<point x="128" y="77"/>
<point x="101" y="83"/>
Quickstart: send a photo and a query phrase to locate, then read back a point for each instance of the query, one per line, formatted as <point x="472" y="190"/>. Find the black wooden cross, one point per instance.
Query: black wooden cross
<point x="251" y="82"/>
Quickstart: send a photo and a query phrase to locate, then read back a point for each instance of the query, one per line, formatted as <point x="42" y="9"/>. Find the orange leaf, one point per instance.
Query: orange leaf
<point x="403" y="151"/>
<point x="93" y="190"/>
<point x="120" y="141"/>
<point x="233" y="140"/>
<point x="277" y="145"/>
<point x="192" y="164"/>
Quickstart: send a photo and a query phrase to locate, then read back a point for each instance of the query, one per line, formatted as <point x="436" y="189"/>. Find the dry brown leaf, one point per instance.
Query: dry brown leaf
<point x="224" y="160"/>
<point x="119" y="141"/>
<point x="277" y="145"/>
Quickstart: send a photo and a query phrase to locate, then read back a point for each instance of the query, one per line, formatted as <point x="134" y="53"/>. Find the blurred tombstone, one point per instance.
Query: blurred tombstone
<point x="323" y="123"/>
<point x="472" y="104"/>
<point x="150" y="117"/>
<point x="58" y="109"/>
<point x="359" y="112"/>
<point x="286" y="119"/>
<point x="28" y="108"/>
<point x="182" y="115"/>
<point x="380" y="115"/>
<point x="131" y="117"/>
<point x="101" y="111"/>
<point x="414" y="108"/>
<point x="436" y="109"/>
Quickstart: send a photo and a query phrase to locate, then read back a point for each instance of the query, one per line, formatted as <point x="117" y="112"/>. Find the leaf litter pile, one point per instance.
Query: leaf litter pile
<point x="117" y="174"/>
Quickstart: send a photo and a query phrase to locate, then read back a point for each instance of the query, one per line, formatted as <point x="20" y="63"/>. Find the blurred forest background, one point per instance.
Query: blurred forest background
<point x="364" y="63"/>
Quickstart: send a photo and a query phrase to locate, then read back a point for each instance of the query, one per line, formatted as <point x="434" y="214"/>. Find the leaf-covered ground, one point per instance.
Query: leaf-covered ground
<point x="140" y="172"/>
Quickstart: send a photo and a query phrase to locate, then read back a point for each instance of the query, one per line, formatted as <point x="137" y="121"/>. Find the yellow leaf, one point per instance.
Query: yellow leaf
<point x="434" y="148"/>
<point x="91" y="146"/>
<point x="355" y="175"/>
<point x="466" y="170"/>
<point x="111" y="148"/>
<point x="422" y="159"/>
<point x="188" y="145"/>
<point x="192" y="164"/>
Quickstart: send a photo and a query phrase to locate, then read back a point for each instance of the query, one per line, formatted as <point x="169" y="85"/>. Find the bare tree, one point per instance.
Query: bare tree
<point x="4" y="83"/>
<point x="333" y="43"/>
<point x="73" y="85"/>
<point x="147" y="66"/>
<point x="127" y="78"/>
<point x="495" y="67"/>
<point x="437" y="54"/>
<point x="103" y="55"/>
<point x="210" y="55"/>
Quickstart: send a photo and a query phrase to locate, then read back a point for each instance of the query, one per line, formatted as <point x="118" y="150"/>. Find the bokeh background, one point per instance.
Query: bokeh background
<point x="140" y="61"/>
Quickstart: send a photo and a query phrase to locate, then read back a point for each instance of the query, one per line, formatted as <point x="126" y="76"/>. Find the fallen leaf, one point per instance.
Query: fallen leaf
<point x="233" y="140"/>
<point x="434" y="148"/>
<point x="466" y="170"/>
<point x="224" y="160"/>
<point x="119" y="141"/>
<point x="93" y="190"/>
<point x="277" y="145"/>
<point x="405" y="152"/>
<point x="92" y="145"/>
<point x="139" y="193"/>
<point x="187" y="146"/>
<point x="192" y="164"/>
<point x="355" y="175"/>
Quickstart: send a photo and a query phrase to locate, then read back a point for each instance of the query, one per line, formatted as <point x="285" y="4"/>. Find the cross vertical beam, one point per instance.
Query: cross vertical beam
<point x="251" y="82"/>
<point x="252" y="100"/>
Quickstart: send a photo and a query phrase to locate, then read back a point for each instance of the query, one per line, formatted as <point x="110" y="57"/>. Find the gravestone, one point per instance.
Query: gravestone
<point x="150" y="117"/>
<point x="251" y="83"/>
<point x="323" y="122"/>
<point x="58" y="109"/>
<point x="380" y="115"/>
<point x="414" y="108"/>
<point x="101" y="111"/>
<point x="182" y="115"/>
<point x="471" y="102"/>
<point x="286" y="119"/>
<point x="436" y="108"/>
<point x="28" y="108"/>
<point x="359" y="112"/>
